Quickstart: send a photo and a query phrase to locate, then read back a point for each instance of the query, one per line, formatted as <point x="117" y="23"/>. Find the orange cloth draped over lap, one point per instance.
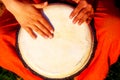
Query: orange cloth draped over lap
<point x="107" y="22"/>
<point x="107" y="26"/>
<point x="8" y="55"/>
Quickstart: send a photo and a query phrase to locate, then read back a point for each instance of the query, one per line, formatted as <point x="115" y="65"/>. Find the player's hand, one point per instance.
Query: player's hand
<point x="31" y="19"/>
<point x="83" y="12"/>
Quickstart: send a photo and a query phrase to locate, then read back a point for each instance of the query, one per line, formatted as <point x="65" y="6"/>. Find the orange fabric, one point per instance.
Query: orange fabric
<point x="107" y="25"/>
<point x="107" y="22"/>
<point x="8" y="54"/>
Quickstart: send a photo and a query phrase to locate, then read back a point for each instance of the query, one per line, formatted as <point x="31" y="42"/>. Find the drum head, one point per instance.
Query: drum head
<point x="65" y="54"/>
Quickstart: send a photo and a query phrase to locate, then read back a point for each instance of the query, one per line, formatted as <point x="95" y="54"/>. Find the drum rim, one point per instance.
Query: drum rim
<point x="44" y="77"/>
<point x="71" y="76"/>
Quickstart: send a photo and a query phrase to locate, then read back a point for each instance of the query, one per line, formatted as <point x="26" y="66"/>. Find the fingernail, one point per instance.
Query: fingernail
<point x="52" y="31"/>
<point x="46" y="37"/>
<point x="51" y="36"/>
<point x="74" y="21"/>
<point x="79" y="23"/>
<point x="34" y="37"/>
<point x="70" y="17"/>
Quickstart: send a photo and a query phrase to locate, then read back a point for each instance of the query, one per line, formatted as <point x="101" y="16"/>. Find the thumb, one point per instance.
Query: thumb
<point x="41" y="5"/>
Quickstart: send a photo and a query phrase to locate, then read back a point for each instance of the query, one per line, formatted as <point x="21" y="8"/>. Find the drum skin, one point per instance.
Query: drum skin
<point x="66" y="54"/>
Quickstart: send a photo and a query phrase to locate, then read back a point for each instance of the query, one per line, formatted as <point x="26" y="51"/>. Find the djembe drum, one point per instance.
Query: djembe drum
<point x="66" y="54"/>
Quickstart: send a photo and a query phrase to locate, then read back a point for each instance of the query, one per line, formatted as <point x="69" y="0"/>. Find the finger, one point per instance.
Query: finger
<point x="75" y="11"/>
<point x="78" y="9"/>
<point x="31" y="33"/>
<point x="86" y="11"/>
<point x="89" y="20"/>
<point x="84" y="18"/>
<point x="80" y="15"/>
<point x="47" y="24"/>
<point x="40" y="32"/>
<point x="87" y="17"/>
<point x="41" y="5"/>
<point x="44" y="29"/>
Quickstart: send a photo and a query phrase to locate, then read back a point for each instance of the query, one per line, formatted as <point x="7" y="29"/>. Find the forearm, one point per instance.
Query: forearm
<point x="12" y="4"/>
<point x="8" y="3"/>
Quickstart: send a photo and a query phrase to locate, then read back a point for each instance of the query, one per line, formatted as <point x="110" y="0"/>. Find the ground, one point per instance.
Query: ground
<point x="114" y="73"/>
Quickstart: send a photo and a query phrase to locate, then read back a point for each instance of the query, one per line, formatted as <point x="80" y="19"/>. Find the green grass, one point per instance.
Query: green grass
<point x="7" y="75"/>
<point x="114" y="73"/>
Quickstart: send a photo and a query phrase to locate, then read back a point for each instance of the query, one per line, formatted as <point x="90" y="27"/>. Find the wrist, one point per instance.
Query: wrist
<point x="9" y="4"/>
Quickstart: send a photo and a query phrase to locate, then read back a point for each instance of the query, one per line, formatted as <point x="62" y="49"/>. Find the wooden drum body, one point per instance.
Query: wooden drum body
<point x="62" y="56"/>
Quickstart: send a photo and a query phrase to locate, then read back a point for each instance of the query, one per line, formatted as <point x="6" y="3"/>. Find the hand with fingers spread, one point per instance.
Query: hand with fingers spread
<point x="83" y="12"/>
<point x="31" y="19"/>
